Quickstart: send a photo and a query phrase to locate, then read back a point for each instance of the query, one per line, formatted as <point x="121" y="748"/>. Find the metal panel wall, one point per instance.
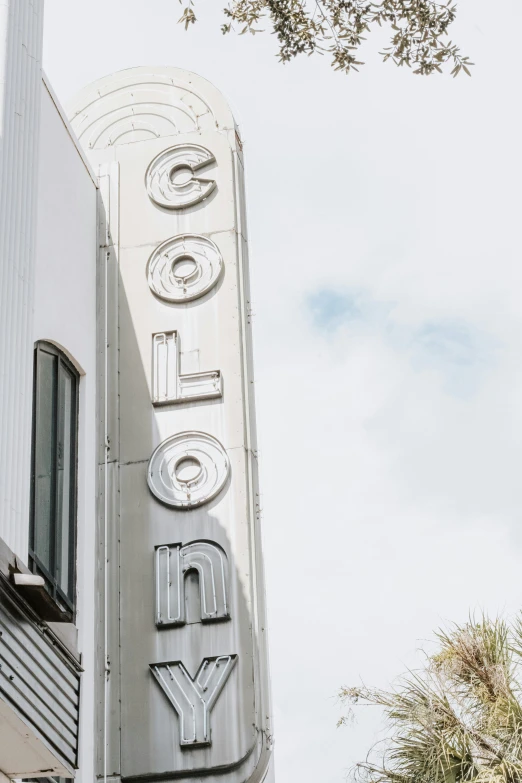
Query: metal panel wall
<point x="20" y="86"/>
<point x="38" y="681"/>
<point x="183" y="677"/>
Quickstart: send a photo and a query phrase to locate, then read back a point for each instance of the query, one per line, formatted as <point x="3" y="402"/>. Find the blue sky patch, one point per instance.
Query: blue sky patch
<point x="449" y="343"/>
<point x="456" y="349"/>
<point x="332" y="308"/>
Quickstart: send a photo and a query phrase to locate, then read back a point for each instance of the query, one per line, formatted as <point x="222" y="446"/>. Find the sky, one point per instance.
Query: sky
<point x="386" y="284"/>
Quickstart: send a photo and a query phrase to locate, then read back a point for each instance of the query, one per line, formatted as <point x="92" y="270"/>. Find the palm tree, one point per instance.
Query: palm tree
<point x="457" y="719"/>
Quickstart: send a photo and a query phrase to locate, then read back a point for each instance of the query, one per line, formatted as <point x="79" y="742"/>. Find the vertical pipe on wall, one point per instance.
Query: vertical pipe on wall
<point x="21" y="32"/>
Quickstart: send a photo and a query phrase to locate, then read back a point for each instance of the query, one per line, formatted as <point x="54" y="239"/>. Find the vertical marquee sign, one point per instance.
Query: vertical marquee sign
<point x="183" y="685"/>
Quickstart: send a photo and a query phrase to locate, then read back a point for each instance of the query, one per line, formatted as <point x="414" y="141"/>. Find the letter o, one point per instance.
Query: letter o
<point x="188" y="469"/>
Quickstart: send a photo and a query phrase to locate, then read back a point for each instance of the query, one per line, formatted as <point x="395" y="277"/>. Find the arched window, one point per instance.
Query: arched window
<point x="52" y="539"/>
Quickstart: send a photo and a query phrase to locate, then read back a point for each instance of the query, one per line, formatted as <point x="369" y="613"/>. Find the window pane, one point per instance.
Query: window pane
<point x="44" y="458"/>
<point x="54" y="474"/>
<point x="65" y="477"/>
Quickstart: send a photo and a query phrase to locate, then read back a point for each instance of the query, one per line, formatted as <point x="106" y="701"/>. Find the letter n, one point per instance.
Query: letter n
<point x="173" y="563"/>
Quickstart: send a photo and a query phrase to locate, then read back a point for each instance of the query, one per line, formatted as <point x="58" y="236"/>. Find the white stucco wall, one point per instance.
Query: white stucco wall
<point x="65" y="314"/>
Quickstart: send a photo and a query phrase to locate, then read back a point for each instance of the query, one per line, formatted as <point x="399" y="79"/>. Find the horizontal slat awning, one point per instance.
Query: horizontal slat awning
<point x="40" y="684"/>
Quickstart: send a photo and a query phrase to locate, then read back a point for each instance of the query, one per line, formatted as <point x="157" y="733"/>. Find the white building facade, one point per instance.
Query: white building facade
<point x="132" y="618"/>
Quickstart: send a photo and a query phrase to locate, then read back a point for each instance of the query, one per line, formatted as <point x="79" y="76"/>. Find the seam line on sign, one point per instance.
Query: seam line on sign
<point x="109" y="462"/>
<point x="105" y="515"/>
<point x="154" y="242"/>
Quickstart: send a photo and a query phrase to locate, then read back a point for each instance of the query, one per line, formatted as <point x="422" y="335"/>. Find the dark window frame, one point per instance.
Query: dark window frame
<point x="65" y="601"/>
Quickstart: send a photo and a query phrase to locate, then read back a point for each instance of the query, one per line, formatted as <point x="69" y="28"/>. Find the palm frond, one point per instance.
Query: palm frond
<point x="459" y="718"/>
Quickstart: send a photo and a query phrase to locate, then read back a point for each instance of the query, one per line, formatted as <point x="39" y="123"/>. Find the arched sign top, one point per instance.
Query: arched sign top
<point x="139" y="104"/>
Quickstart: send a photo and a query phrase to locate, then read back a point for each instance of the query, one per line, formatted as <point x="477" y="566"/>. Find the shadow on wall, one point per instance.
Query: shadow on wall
<point x="138" y="523"/>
